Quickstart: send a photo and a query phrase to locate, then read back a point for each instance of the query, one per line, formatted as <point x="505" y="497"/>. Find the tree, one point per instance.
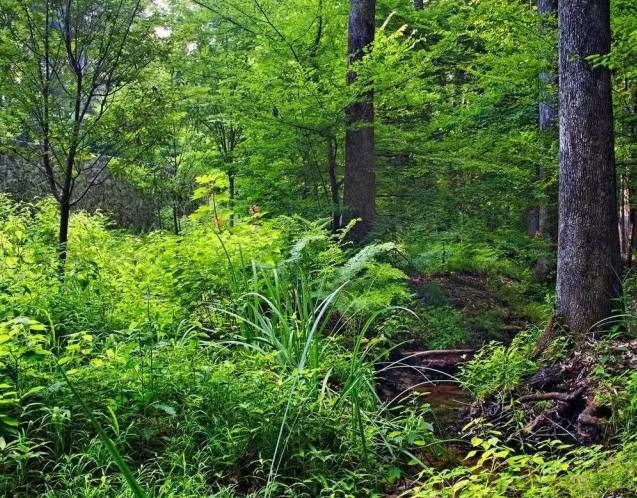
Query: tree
<point x="542" y="219"/>
<point x="295" y="124"/>
<point x="226" y="135"/>
<point x="359" y="190"/>
<point x="75" y="55"/>
<point x="588" y="263"/>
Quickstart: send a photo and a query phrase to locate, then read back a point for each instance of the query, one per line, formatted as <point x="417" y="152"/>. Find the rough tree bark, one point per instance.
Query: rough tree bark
<point x="588" y="262"/>
<point x="359" y="191"/>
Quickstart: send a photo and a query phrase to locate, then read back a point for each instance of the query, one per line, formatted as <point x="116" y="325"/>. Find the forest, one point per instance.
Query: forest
<point x="318" y="248"/>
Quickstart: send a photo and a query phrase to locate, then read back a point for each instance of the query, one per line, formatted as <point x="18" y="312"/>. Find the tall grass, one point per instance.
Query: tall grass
<point x="294" y="316"/>
<point x="285" y="316"/>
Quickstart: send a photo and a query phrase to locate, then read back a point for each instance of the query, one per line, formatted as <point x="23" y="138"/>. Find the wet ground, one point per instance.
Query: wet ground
<point x="429" y="377"/>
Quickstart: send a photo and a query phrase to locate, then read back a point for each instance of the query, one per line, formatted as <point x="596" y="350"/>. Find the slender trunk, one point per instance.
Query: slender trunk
<point x="231" y="197"/>
<point x="65" y="208"/>
<point x="624" y="211"/>
<point x="588" y="262"/>
<point x="633" y="236"/>
<point x="359" y="191"/>
<point x="69" y="180"/>
<point x="65" y="214"/>
<point x="175" y="219"/>
<point x="331" y="170"/>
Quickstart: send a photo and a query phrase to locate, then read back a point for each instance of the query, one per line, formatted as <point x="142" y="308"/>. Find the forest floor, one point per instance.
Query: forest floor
<point x="486" y="303"/>
<point x="566" y="399"/>
<point x="431" y="375"/>
<point x="433" y="372"/>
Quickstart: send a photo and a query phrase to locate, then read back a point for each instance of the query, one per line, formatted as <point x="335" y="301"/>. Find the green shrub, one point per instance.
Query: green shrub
<point x="265" y="398"/>
<point x="186" y="407"/>
<point x="552" y="471"/>
<point x="498" y="369"/>
<point x="444" y="328"/>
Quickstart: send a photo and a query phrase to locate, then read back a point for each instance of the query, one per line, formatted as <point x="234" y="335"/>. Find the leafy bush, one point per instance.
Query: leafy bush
<point x="186" y="406"/>
<point x="473" y="249"/>
<point x="499" y="369"/>
<point x="552" y="471"/>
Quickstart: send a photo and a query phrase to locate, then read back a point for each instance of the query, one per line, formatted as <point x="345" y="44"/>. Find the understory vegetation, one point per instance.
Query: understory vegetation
<point x="318" y="248"/>
<point x="246" y="366"/>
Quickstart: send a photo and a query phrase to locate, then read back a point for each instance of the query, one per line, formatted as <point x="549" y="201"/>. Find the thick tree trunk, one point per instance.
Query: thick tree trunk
<point x="588" y="262"/>
<point x="359" y="192"/>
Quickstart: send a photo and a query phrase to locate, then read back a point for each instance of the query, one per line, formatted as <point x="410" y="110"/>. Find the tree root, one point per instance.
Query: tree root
<point x="565" y="397"/>
<point x="553" y="328"/>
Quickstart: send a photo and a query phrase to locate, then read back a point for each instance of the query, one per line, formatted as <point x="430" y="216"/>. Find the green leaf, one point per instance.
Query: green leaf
<point x="169" y="410"/>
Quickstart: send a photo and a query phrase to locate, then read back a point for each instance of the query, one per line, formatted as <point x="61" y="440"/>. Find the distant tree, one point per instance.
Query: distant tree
<point x="359" y="189"/>
<point x="588" y="262"/>
<point x="74" y="56"/>
<point x="543" y="217"/>
<point x="158" y="156"/>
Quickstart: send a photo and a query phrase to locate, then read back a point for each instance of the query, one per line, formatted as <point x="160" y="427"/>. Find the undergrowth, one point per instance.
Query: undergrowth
<point x="213" y="363"/>
<point x="241" y="362"/>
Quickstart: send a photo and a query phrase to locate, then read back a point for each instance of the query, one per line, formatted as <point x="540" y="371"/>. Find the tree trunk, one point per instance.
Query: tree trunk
<point x="359" y="192"/>
<point x="231" y="197"/>
<point x="533" y="221"/>
<point x="65" y="205"/>
<point x="175" y="219"/>
<point x="633" y="236"/>
<point x="331" y="171"/>
<point x="65" y="214"/>
<point x="545" y="222"/>
<point x="624" y="215"/>
<point x="588" y="261"/>
<point x="419" y="4"/>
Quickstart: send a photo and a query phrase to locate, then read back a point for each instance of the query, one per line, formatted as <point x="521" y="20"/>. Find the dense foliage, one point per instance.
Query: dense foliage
<point x="182" y="311"/>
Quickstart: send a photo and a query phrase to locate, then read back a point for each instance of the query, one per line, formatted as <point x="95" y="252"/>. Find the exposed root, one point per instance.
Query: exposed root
<point x="551" y="331"/>
<point x="565" y="397"/>
<point x="590" y="423"/>
<point x="561" y="401"/>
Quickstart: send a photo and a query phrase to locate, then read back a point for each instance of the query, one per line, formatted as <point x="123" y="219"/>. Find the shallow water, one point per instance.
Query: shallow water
<point x="447" y="400"/>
